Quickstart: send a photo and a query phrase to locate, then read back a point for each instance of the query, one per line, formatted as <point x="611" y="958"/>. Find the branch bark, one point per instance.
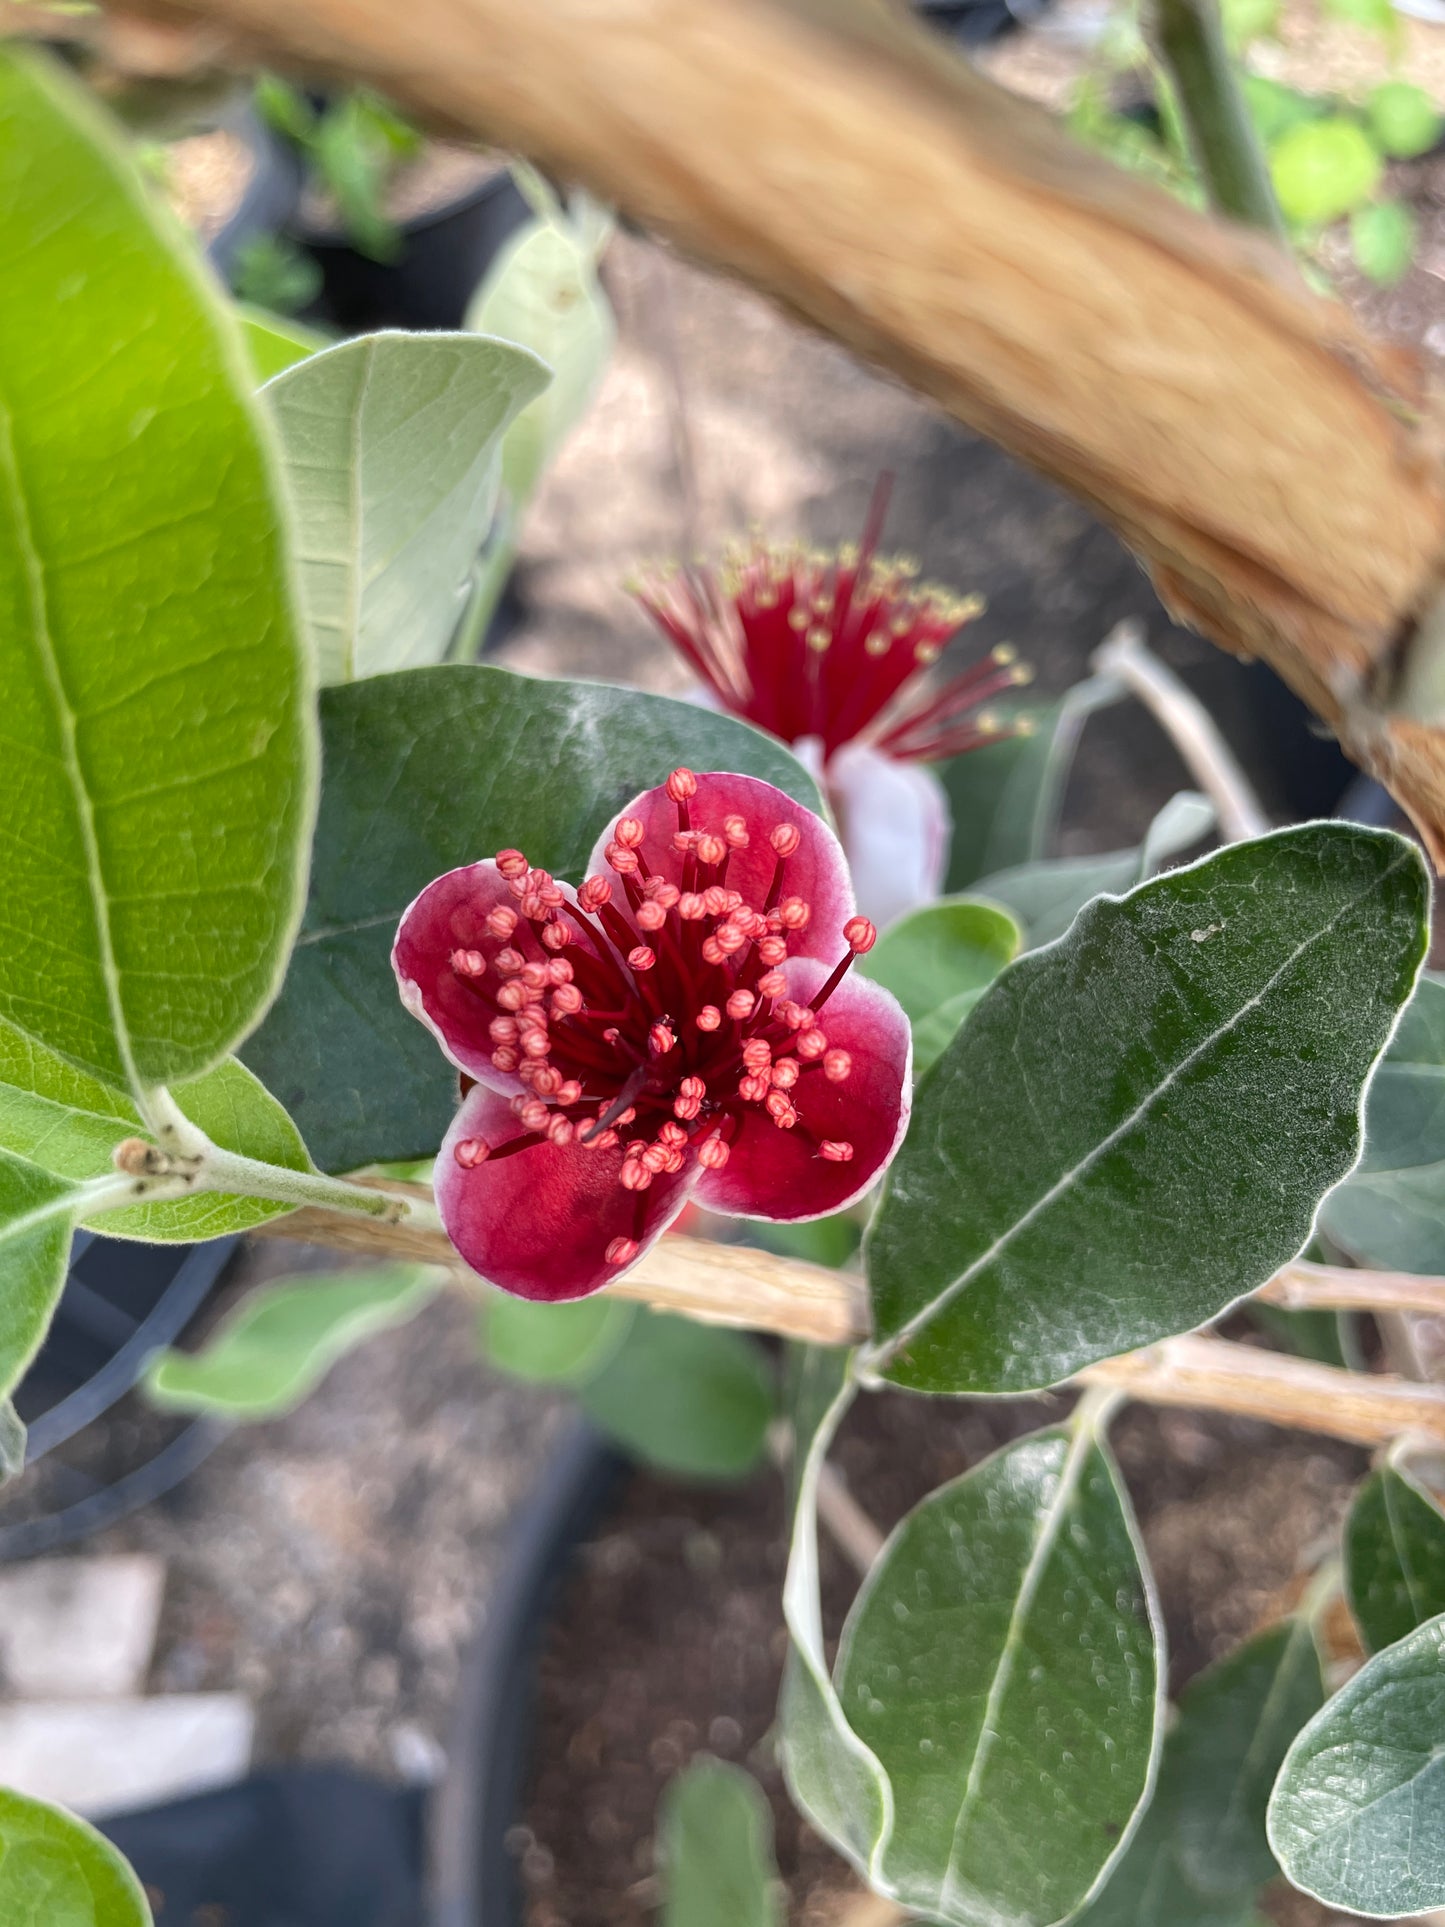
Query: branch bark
<point x="735" y="1285"/>
<point x="1276" y="469"/>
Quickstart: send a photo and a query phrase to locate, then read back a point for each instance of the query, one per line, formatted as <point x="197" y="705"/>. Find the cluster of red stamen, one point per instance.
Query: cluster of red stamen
<point x="834" y="646"/>
<point x="649" y="1017"/>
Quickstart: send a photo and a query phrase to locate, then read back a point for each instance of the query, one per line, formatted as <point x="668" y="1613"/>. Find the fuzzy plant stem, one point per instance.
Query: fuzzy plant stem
<point x="1188" y="36"/>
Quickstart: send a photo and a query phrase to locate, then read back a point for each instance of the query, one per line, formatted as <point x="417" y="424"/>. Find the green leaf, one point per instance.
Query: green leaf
<point x="55" y="1871"/>
<point x="1200" y="1854"/>
<point x="58" y="1117"/>
<point x="1357" y="1817"/>
<point x="820" y="1241"/>
<point x="1248" y="20"/>
<point x="716" y="1840"/>
<point x="391" y="445"/>
<point x="283" y="1339"/>
<point x="427" y="770"/>
<point x="1375" y="16"/>
<point x="1046" y="896"/>
<point x="1403" y="119"/>
<point x="1323" y="169"/>
<point x="686" y="1398"/>
<point x="1308" y="1334"/>
<point x="274" y="343"/>
<point x="1390" y="1212"/>
<point x="998" y="1679"/>
<point x="1275" y="108"/>
<point x="1005" y="797"/>
<point x="945" y="948"/>
<point x="1382" y="236"/>
<point x="1394" y="1557"/>
<point x="1185" y="1076"/>
<point x="933" y="1034"/>
<point x="542" y="292"/>
<point x="37" y="1214"/>
<point x="553" y="1344"/>
<point x="158" y="719"/>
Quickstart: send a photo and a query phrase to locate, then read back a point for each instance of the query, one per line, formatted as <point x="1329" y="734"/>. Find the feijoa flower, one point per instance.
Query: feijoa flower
<point x="681" y="1025"/>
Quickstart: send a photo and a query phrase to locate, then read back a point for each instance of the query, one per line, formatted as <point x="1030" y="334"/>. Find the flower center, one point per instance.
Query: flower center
<point x="650" y="1017"/>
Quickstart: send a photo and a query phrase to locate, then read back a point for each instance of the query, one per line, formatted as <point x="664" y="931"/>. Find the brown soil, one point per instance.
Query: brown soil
<point x="670" y="1639"/>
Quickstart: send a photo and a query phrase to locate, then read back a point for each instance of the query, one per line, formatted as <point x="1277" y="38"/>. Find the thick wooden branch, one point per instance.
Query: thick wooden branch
<point x="1276" y="470"/>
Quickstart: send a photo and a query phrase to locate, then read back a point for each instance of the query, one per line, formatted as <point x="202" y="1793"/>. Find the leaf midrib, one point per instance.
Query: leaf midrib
<point x="1047" y="1536"/>
<point x="44" y="641"/>
<point x="880" y="1356"/>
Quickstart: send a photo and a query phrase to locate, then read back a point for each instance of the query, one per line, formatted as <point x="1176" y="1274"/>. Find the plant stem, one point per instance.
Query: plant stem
<point x="249" y="1178"/>
<point x="1188" y="725"/>
<point x="1189" y="38"/>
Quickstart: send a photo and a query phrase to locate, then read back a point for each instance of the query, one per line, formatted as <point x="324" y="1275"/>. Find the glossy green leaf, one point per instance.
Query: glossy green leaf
<point x="553" y="1344"/>
<point x="933" y="1034"/>
<point x="1046" y="896"/>
<point x="1357" y="1817"/>
<point x="686" y="1398"/>
<point x="1323" y="169"/>
<point x="55" y="1871"/>
<point x="426" y="770"/>
<point x="1382" y="239"/>
<point x="1390" y="1211"/>
<point x="70" y="1123"/>
<point x="392" y="451"/>
<point x="999" y="1664"/>
<point x="283" y="1339"/>
<point x="1185" y="1076"/>
<point x="1200" y="1854"/>
<point x="542" y="292"/>
<point x="158" y="721"/>
<point x="37" y="1214"/>
<point x="1394" y="1557"/>
<point x="275" y="343"/>
<point x="941" y="950"/>
<point x="716" y="1850"/>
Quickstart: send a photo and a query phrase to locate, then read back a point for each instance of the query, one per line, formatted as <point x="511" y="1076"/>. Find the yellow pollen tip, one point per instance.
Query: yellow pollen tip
<point x="1025" y="726"/>
<point x="926" y="652"/>
<point x="819" y="639"/>
<point x="1022" y="674"/>
<point x="1005" y="654"/>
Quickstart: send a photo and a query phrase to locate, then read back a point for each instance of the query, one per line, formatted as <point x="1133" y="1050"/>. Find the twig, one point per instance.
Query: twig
<point x="1210" y="1374"/>
<point x="1188" y="725"/>
<point x="756" y="1291"/>
<point x="1189" y="38"/>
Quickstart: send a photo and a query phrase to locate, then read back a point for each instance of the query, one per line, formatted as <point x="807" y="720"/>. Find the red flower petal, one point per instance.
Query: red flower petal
<point x="449" y="915"/>
<point x="817" y="871"/>
<point x="781" y="1174"/>
<point x="539" y="1222"/>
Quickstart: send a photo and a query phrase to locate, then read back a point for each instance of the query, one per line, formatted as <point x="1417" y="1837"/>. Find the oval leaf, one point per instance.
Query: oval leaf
<point x="1394" y="1558"/>
<point x="284" y="1338"/>
<point x="553" y="1344"/>
<point x="158" y="715"/>
<point x="1357" y="1817"/>
<point x="425" y="771"/>
<point x="1323" y="169"/>
<point x="1390" y="1212"/>
<point x="37" y="1214"/>
<point x="1200" y="1854"/>
<point x="55" y="1871"/>
<point x="58" y="1117"/>
<point x="1182" y="1082"/>
<point x="939" y="952"/>
<point x="686" y="1398"/>
<point x="392" y="446"/>
<point x="999" y="1663"/>
<point x="716" y="1849"/>
<point x="274" y="342"/>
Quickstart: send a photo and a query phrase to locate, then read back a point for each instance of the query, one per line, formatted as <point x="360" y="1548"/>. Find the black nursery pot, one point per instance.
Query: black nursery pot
<point x="474" y="1879"/>
<point x="444" y="255"/>
<point x="271" y="198"/>
<point x="123" y="1301"/>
